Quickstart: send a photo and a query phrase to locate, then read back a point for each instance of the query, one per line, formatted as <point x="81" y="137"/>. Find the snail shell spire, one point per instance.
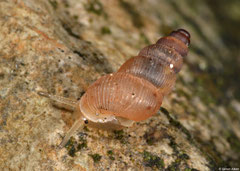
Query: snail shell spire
<point x="179" y="40"/>
<point x="159" y="63"/>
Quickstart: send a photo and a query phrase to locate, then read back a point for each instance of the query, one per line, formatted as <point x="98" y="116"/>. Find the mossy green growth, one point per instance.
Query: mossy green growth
<point x="70" y="143"/>
<point x="70" y="147"/>
<point x="95" y="7"/>
<point x="174" y="167"/>
<point x="152" y="161"/>
<point x="190" y="169"/>
<point x="53" y="3"/>
<point x="150" y="141"/>
<point x="120" y="135"/>
<point x="177" y="164"/>
<point x="72" y="151"/>
<point x="110" y="152"/>
<point x="234" y="141"/>
<point x="82" y="145"/>
<point x="183" y="156"/>
<point x="163" y="110"/>
<point x="82" y="141"/>
<point x="171" y="120"/>
<point x="110" y="155"/>
<point x="206" y="89"/>
<point x="75" y="17"/>
<point x="105" y="30"/>
<point x="96" y="157"/>
<point x="173" y="144"/>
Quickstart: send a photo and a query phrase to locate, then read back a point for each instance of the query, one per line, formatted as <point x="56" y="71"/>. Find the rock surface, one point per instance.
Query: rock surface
<point x="63" y="46"/>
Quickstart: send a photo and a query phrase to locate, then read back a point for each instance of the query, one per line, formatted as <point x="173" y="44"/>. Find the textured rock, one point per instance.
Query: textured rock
<point x="63" y="46"/>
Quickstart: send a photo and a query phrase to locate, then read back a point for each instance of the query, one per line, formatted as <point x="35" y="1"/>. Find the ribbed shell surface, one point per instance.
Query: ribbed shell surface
<point x="157" y="64"/>
<point x="120" y="94"/>
<point x="165" y="54"/>
<point x="151" y="69"/>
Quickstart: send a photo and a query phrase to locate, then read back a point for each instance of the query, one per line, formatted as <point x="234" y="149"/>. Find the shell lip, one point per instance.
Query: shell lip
<point x="114" y="120"/>
<point x="107" y="119"/>
<point x="97" y="118"/>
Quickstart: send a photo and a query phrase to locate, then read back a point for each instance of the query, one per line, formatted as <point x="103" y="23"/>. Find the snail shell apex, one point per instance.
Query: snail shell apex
<point x="135" y="92"/>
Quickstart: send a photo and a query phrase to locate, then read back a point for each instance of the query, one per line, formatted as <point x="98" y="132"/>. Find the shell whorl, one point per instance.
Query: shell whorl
<point x="136" y="90"/>
<point x="120" y="95"/>
<point x="159" y="63"/>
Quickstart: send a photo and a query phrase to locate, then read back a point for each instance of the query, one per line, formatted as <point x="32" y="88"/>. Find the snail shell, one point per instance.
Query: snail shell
<point x="136" y="90"/>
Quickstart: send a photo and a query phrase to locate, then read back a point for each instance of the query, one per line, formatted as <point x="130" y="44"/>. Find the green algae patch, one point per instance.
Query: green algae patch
<point x="120" y="135"/>
<point x="177" y="124"/>
<point x="110" y="155"/>
<point x="151" y="160"/>
<point x="82" y="145"/>
<point x="94" y="6"/>
<point x="70" y="143"/>
<point x="73" y="146"/>
<point x="53" y="3"/>
<point x="190" y="169"/>
<point x="70" y="147"/>
<point x="96" y="157"/>
<point x="105" y="30"/>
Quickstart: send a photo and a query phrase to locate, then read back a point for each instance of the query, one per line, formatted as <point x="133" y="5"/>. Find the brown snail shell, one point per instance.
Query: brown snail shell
<point x="135" y="92"/>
